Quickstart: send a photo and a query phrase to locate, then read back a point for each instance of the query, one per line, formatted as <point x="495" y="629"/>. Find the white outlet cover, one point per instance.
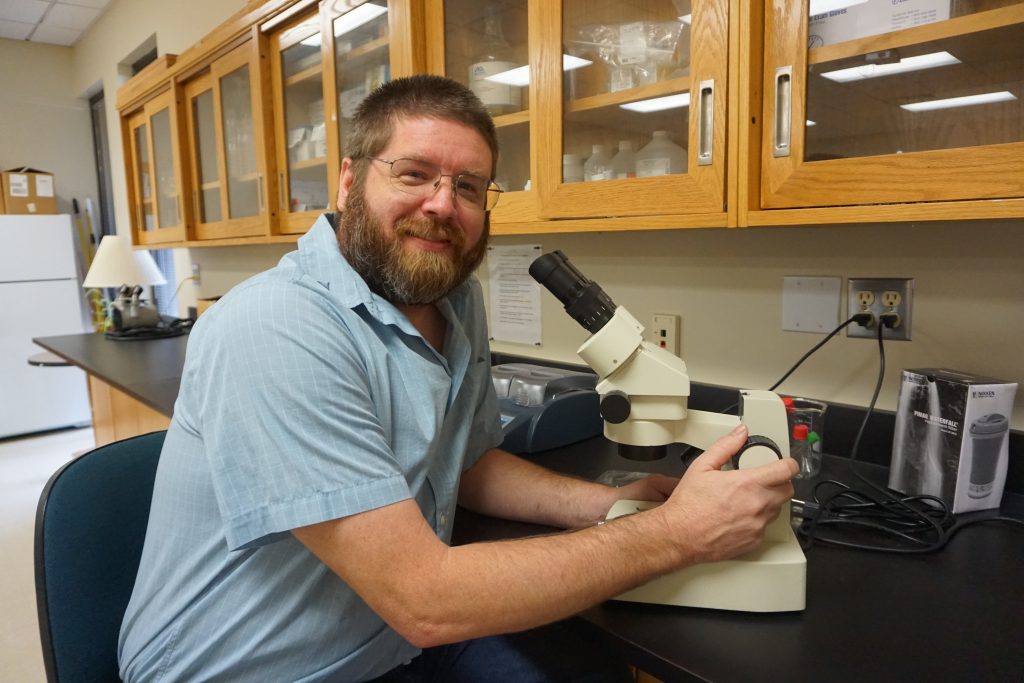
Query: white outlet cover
<point x="811" y="304"/>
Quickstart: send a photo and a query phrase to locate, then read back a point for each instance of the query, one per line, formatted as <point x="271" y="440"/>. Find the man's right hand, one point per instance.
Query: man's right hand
<point x="716" y="515"/>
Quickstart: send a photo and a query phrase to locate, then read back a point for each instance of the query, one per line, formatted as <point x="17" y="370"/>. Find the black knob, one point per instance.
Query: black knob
<point x="756" y="441"/>
<point x="615" y="407"/>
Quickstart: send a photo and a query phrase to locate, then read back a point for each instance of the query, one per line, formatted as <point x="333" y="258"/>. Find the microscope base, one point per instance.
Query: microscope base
<point x="771" y="579"/>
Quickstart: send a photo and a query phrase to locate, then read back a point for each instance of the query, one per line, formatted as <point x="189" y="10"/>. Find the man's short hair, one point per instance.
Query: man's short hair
<point x="423" y="95"/>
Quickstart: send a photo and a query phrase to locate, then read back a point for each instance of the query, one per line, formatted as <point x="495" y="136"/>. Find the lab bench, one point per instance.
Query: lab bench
<point x="947" y="616"/>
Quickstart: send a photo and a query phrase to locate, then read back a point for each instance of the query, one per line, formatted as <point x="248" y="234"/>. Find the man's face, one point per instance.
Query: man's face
<point x="412" y="249"/>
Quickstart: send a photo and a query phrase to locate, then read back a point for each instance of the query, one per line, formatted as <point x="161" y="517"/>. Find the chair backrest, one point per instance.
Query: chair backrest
<point x="90" y="527"/>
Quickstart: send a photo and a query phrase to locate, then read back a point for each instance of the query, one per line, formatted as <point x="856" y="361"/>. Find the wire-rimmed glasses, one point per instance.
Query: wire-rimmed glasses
<point x="422" y="178"/>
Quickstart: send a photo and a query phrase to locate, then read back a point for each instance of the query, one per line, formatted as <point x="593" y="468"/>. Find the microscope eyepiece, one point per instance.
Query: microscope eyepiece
<point x="583" y="299"/>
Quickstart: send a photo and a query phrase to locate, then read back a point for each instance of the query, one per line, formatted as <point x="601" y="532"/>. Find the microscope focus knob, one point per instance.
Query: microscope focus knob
<point x="615" y="407"/>
<point x="755" y="441"/>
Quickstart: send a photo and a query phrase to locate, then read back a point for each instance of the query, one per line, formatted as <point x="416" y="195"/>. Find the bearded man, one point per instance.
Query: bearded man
<point x="332" y="413"/>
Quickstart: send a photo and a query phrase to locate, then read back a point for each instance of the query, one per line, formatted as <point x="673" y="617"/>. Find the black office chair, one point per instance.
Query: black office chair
<point x="90" y="526"/>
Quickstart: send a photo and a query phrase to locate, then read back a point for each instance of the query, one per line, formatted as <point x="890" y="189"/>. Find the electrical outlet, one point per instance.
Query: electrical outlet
<point x="665" y="331"/>
<point x="878" y="296"/>
<point x="195" y="274"/>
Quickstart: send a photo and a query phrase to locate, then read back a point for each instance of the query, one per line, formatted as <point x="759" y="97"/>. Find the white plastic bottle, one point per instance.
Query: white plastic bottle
<point x="624" y="163"/>
<point x="598" y="165"/>
<point x="660" y="156"/>
<point x="572" y="168"/>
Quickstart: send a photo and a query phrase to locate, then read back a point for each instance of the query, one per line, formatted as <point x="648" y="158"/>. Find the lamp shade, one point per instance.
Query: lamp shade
<point x="116" y="264"/>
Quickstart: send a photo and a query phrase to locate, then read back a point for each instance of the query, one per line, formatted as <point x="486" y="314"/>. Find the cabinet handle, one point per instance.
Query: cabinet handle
<point x="706" y="124"/>
<point x="783" y="111"/>
<point x="280" y="191"/>
<point x="259" y="191"/>
<point x="195" y="205"/>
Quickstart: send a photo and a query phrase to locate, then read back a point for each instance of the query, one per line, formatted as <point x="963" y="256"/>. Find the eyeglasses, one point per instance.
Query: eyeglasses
<point x="422" y="178"/>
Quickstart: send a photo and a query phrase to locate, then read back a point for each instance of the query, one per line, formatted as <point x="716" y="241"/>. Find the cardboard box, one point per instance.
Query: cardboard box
<point x="951" y="437"/>
<point x="872" y="18"/>
<point x="27" y="190"/>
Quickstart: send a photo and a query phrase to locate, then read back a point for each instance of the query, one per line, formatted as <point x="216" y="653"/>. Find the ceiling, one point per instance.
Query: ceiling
<point x="57" y="22"/>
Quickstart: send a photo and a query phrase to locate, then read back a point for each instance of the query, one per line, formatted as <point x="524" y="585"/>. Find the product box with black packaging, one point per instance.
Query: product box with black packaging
<point x="951" y="437"/>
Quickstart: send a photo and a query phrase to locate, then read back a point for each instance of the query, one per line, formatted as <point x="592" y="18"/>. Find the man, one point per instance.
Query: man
<point x="332" y="412"/>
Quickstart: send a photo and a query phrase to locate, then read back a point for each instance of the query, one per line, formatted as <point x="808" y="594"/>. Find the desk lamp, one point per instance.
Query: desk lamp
<point x="643" y="393"/>
<point x="116" y="265"/>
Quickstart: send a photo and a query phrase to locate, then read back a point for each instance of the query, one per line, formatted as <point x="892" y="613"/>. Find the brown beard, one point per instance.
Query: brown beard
<point x="405" y="276"/>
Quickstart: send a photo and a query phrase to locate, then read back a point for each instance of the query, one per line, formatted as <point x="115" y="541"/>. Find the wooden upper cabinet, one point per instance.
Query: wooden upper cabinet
<point x="631" y="108"/>
<point x="153" y="151"/>
<point x="881" y="104"/>
<point x="300" y="130"/>
<point x="490" y="47"/>
<point x="227" y="155"/>
<point x="364" y="44"/>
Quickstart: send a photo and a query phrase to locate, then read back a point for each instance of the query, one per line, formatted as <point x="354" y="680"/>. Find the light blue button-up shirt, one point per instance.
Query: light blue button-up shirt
<point x="305" y="398"/>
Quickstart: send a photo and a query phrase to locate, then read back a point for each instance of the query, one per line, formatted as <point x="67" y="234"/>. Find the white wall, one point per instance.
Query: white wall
<point x="968" y="310"/>
<point x="43" y="122"/>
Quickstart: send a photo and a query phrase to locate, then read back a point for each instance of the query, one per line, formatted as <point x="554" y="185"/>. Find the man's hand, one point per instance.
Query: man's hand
<point x="716" y="515"/>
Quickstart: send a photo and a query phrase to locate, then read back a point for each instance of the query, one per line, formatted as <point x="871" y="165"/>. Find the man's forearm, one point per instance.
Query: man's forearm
<point x="503" y="485"/>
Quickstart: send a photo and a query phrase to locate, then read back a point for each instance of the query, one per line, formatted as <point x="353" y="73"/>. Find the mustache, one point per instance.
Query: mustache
<point x="426" y="229"/>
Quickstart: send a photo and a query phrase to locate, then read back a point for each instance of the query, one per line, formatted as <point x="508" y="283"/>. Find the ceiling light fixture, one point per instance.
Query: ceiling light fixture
<point x="907" y="64"/>
<point x="659" y="103"/>
<point x="520" y="76"/>
<point x="967" y="101"/>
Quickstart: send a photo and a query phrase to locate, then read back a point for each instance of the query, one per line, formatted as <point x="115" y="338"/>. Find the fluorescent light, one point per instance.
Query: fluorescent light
<point x="352" y="20"/>
<point x="312" y="41"/>
<point x="968" y="101"/>
<point x="811" y="123"/>
<point x="823" y="6"/>
<point x="686" y="18"/>
<point x="659" y="103"/>
<point x="520" y="76"/>
<point x="859" y="73"/>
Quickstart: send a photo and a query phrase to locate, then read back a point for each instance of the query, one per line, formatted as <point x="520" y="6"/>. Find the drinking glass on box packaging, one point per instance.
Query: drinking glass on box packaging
<point x="805" y="411"/>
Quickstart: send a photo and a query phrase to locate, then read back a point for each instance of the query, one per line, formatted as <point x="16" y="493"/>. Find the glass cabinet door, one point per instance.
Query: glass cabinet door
<point x="141" y="177"/>
<point x="642" y="92"/>
<point x="877" y="102"/>
<point x="239" y="144"/>
<point x="205" y="167"/>
<point x="297" y="70"/>
<point x="225" y="166"/>
<point x="159" y="211"/>
<point x="487" y="48"/>
<point x="360" y="45"/>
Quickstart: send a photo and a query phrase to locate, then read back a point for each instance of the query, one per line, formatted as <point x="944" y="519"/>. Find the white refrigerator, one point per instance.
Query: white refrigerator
<point x="42" y="296"/>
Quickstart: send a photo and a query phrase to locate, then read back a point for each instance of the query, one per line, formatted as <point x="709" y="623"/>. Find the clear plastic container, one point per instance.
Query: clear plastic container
<point x="624" y="163"/>
<point x="598" y="165"/>
<point x="572" y="168"/>
<point x="660" y="156"/>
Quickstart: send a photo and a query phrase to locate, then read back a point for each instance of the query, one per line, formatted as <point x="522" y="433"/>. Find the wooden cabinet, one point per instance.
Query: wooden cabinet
<point x="116" y="415"/>
<point x="915" y="121"/>
<point x="491" y="47"/>
<point x="227" y="157"/>
<point x="654" y="85"/>
<point x="369" y="41"/>
<point x="739" y="114"/>
<point x="300" y="132"/>
<point x="580" y="76"/>
<point x="153" y="156"/>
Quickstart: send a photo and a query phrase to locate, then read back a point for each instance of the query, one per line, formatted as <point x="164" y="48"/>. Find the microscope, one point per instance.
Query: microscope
<point x="643" y="401"/>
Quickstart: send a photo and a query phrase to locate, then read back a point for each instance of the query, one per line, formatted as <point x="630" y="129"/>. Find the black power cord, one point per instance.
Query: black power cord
<point x="913" y="524"/>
